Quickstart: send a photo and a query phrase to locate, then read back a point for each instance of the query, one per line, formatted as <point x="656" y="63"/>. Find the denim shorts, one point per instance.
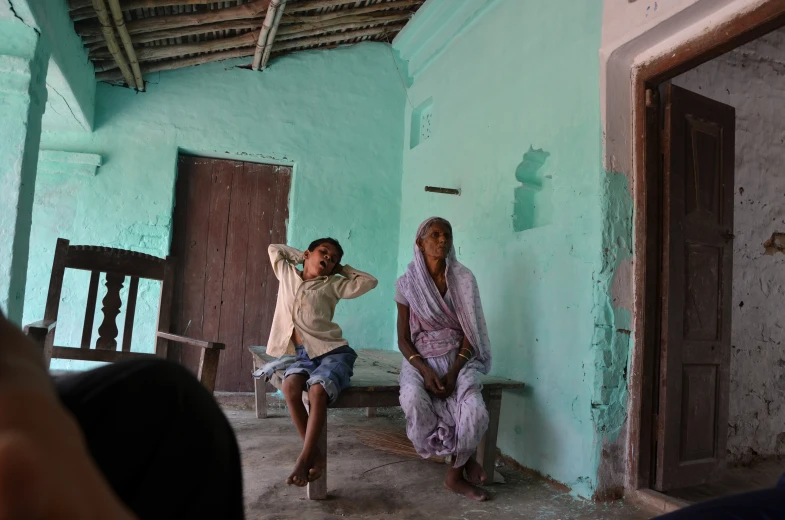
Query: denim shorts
<point x="332" y="370"/>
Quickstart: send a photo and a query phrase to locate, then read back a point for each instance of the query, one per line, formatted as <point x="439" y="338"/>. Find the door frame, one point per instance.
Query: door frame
<point x="739" y="29"/>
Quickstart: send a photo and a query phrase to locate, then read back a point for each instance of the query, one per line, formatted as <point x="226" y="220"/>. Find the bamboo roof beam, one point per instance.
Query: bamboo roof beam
<point x="111" y="42"/>
<point x="290" y="32"/>
<point x="338" y="37"/>
<point x="233" y="25"/>
<point x="271" y="19"/>
<point x="280" y="47"/>
<point x="268" y="44"/>
<point x="316" y="18"/>
<point x="178" y="21"/>
<point x="119" y="23"/>
<point x="78" y="6"/>
<point x="179" y="63"/>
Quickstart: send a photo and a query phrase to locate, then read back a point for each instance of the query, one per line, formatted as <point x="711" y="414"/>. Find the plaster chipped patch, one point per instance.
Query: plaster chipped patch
<point x="532" y="206"/>
<point x="775" y="244"/>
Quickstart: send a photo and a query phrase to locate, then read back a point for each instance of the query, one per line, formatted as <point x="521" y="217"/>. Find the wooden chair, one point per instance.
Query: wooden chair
<point x="117" y="264"/>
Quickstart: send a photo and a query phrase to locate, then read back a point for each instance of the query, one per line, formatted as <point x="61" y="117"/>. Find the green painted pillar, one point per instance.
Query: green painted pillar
<point x="23" y="65"/>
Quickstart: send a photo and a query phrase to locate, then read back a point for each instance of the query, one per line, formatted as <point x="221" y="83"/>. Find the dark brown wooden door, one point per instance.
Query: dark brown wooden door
<point x="226" y="214"/>
<point x="697" y="273"/>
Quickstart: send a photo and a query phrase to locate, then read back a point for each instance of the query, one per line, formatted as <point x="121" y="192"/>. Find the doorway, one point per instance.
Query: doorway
<point x="226" y="214"/>
<point x="701" y="176"/>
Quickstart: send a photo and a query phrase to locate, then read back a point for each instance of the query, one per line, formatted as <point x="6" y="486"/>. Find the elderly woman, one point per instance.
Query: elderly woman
<point x="444" y="340"/>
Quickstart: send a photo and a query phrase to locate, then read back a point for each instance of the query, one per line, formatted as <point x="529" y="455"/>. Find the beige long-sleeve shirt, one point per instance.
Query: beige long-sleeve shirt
<point x="309" y="305"/>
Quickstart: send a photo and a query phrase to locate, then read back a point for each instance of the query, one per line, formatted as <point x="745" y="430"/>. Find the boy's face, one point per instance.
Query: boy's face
<point x="321" y="261"/>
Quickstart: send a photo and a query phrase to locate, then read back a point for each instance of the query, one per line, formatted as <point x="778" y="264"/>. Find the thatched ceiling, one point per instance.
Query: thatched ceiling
<point x="127" y="39"/>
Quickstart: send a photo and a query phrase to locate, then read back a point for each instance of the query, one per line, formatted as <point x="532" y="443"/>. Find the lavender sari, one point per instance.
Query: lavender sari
<point x="452" y="426"/>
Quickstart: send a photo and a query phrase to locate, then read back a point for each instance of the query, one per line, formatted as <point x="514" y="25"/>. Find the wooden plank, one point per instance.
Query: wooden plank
<point x="165" y="307"/>
<point x="486" y="451"/>
<point x="109" y="356"/>
<point x="259" y="300"/>
<point x="208" y="368"/>
<point x="191" y="341"/>
<point x="89" y="315"/>
<point x="233" y="286"/>
<point x="117" y="261"/>
<point x="260" y="393"/>
<point x="378" y="370"/>
<point x="130" y="311"/>
<point x="178" y="250"/>
<point x="56" y="279"/>
<point x="194" y="256"/>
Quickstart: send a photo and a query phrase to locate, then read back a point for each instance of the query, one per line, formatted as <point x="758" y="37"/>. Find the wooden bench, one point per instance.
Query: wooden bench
<point x="375" y="385"/>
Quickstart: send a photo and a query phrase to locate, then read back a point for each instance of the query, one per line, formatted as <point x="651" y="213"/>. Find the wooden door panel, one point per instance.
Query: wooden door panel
<point x="696" y="287"/>
<point x="226" y="214"/>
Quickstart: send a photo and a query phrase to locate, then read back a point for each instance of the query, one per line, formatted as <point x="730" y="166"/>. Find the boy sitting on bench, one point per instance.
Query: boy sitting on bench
<point x="303" y="326"/>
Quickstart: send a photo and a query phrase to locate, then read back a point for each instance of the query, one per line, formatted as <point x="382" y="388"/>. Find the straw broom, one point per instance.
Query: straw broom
<point x="396" y="443"/>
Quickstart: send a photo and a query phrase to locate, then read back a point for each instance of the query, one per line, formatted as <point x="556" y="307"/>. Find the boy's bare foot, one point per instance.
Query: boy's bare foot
<point x="299" y="476"/>
<point x="474" y="472"/>
<point x="306" y="471"/>
<point x="317" y="468"/>
<point x="456" y="482"/>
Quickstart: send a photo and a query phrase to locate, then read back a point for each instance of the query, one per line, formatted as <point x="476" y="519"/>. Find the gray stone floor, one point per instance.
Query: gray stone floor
<point x="367" y="483"/>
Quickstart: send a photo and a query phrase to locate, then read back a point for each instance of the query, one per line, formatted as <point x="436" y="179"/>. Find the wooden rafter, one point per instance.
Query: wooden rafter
<point x="175" y="21"/>
<point x="111" y="42"/>
<point x="267" y="35"/>
<point x="278" y="48"/>
<point x="119" y="24"/>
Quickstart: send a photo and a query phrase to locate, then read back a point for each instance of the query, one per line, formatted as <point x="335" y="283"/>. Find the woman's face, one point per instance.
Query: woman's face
<point x="437" y="241"/>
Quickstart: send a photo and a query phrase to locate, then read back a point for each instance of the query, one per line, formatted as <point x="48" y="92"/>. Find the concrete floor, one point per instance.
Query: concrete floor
<point x="367" y="483"/>
<point x="761" y="475"/>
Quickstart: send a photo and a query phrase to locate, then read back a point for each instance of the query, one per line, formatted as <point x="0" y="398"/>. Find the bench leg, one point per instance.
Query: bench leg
<point x="486" y="451"/>
<point x="370" y="411"/>
<point x="317" y="490"/>
<point x="260" y="390"/>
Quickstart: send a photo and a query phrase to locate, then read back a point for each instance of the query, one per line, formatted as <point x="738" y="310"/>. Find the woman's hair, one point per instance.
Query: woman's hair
<point x="436" y="220"/>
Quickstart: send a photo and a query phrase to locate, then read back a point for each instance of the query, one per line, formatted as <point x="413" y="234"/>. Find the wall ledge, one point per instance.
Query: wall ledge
<point x="54" y="162"/>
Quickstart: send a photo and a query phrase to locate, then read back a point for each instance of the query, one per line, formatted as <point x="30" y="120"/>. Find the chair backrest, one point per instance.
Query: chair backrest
<point x="117" y="264"/>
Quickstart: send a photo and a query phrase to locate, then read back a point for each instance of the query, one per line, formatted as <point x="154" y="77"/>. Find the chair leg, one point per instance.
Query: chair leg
<point x="317" y="490"/>
<point x="370" y="411"/>
<point x="208" y="368"/>
<point x="486" y="451"/>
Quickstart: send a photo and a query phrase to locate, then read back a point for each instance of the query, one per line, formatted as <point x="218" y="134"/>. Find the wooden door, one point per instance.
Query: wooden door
<point x="226" y="214"/>
<point x="698" y="155"/>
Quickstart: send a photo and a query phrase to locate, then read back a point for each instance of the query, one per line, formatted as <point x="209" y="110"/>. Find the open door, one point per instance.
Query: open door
<point x="697" y="262"/>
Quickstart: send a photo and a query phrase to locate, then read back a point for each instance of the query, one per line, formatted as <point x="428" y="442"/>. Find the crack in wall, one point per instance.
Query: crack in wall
<point x="48" y="85"/>
<point x="13" y="11"/>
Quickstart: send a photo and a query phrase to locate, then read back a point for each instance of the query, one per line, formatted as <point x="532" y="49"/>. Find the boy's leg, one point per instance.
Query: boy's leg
<point x="293" y="388"/>
<point x="305" y="468"/>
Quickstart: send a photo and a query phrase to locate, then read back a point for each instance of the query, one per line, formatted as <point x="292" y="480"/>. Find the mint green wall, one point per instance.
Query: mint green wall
<point x="515" y="108"/>
<point x="336" y="116"/>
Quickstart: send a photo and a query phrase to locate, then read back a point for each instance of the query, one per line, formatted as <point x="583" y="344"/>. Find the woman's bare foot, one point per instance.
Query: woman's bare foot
<point x="455" y="482"/>
<point x="474" y="472"/>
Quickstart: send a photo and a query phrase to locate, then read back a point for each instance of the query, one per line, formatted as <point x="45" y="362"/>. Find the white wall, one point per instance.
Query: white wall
<point x="752" y="79"/>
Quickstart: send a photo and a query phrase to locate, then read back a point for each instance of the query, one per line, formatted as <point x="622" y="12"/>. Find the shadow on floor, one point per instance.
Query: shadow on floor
<point x="761" y="475"/>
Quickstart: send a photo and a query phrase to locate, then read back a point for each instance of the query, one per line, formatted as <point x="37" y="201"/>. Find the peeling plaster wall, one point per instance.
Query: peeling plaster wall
<point x="512" y="106"/>
<point x="752" y="79"/>
<point x="336" y="116"/>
